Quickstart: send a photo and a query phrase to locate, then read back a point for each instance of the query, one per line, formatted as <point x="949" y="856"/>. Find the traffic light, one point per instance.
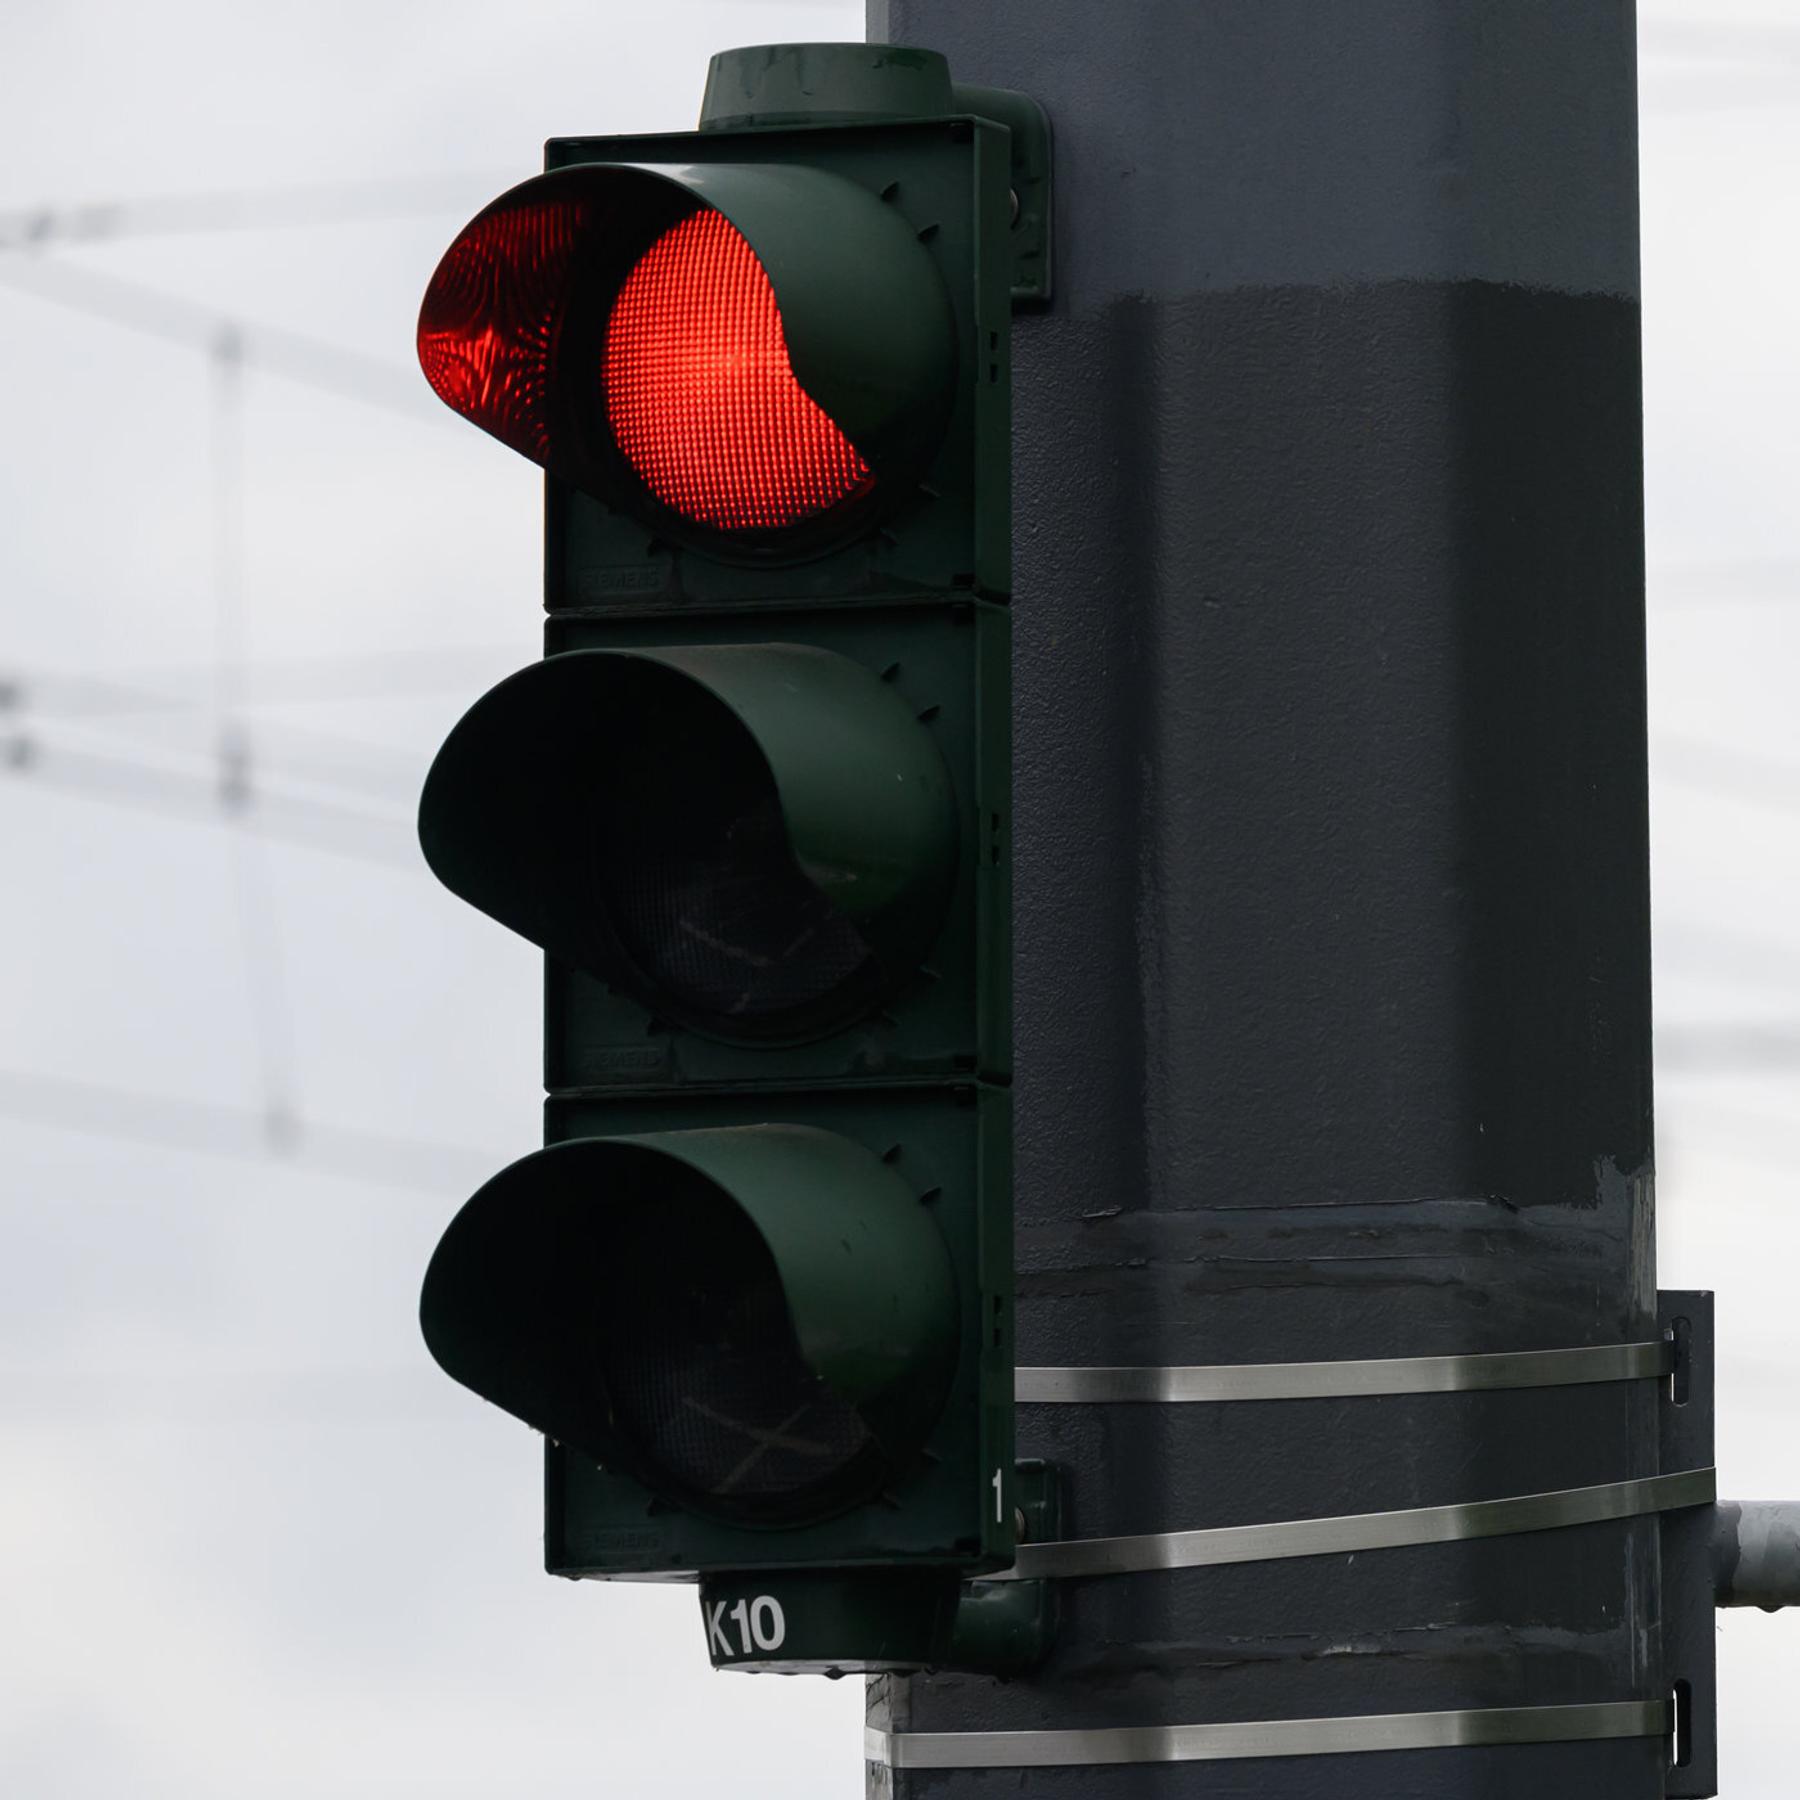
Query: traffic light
<point x="753" y="804"/>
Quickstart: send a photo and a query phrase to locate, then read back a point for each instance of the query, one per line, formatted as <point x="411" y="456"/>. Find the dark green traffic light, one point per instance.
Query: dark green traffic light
<point x="754" y="808"/>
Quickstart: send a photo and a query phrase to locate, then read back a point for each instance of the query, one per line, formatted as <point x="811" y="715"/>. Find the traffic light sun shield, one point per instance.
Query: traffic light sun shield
<point x="753" y="359"/>
<point x="755" y="841"/>
<point x="759" y="1323"/>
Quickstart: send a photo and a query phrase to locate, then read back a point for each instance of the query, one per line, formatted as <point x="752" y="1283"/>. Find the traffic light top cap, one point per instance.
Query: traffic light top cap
<point x="756" y="357"/>
<point x="774" y="85"/>
<point x="819" y="84"/>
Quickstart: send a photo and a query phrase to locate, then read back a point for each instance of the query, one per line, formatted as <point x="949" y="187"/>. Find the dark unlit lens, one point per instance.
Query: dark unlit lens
<point x="698" y="878"/>
<point x="702" y="1370"/>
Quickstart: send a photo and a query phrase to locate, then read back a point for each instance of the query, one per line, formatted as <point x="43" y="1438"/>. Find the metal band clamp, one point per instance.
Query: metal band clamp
<point x="1275" y="1737"/>
<point x="1351" y="1532"/>
<point x="1346" y="1380"/>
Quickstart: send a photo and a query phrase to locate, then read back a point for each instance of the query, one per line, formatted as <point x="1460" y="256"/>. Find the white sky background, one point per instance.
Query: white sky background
<point x="250" y="1541"/>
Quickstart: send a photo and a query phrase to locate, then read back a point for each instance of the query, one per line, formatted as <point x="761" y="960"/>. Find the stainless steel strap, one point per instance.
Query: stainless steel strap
<point x="1344" y="1380"/>
<point x="1361" y="1531"/>
<point x="1274" y="1737"/>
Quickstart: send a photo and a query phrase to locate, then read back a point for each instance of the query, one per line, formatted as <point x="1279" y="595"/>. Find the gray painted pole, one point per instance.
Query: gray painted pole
<point x="1332" y="975"/>
<point x="1756" y="1546"/>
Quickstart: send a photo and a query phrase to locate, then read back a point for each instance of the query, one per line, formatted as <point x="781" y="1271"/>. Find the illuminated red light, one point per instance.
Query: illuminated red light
<point x="700" y="395"/>
<point x="487" y="328"/>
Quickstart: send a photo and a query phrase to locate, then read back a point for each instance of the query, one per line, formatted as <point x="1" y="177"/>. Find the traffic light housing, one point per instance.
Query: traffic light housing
<point x="754" y="805"/>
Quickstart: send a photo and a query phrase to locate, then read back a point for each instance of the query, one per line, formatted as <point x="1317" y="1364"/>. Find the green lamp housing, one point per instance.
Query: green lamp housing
<point x="756" y="841"/>
<point x="758" y="1323"/>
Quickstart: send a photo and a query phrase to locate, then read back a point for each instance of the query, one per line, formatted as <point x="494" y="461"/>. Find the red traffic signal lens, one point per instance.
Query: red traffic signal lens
<point x="488" y="328"/>
<point x="755" y="362"/>
<point x="700" y="395"/>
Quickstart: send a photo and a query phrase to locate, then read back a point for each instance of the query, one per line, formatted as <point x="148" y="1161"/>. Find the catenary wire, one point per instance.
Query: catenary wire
<point x="368" y="675"/>
<point x="47" y="1396"/>
<point x="36" y="228"/>
<point x="1727" y="1047"/>
<point x="1749" y="41"/>
<point x="378" y="784"/>
<point x="1678" y="587"/>
<point x="310" y="362"/>
<point x="95" y="1109"/>
<point x="313" y="824"/>
<point x="1720" y="769"/>
<point x="253" y="888"/>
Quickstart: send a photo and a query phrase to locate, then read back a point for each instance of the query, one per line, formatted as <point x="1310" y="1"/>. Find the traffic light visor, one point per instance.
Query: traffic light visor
<point x="757" y="1322"/>
<point x="753" y="357"/>
<point x="756" y="841"/>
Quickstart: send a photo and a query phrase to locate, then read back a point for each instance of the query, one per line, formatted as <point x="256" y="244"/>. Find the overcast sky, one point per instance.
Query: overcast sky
<point x="253" y="1542"/>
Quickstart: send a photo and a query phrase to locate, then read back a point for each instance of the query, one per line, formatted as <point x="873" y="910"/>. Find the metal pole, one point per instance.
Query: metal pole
<point x="1332" y="1014"/>
<point x="1756" y="1549"/>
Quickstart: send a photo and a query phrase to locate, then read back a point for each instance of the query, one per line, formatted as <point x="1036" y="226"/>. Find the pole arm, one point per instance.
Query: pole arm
<point x="1756" y="1553"/>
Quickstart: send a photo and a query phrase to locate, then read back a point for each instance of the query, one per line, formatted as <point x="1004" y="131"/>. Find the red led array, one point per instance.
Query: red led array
<point x="700" y="395"/>
<point x="487" y="328"/>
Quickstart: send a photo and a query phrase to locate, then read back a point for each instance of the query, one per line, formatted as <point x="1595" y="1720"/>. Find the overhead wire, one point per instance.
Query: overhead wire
<point x="78" y="1398"/>
<point x="364" y="675"/>
<point x="1721" y="769"/>
<point x="1728" y="954"/>
<point x="265" y="977"/>
<point x="285" y="752"/>
<point x="58" y="1396"/>
<point x="127" y="713"/>
<point x="36" y="228"/>
<point x="231" y="346"/>
<point x="1678" y="586"/>
<point x="272" y="349"/>
<point x="296" y="819"/>
<point x="1735" y="41"/>
<point x="209" y="1128"/>
<point x="315" y="759"/>
<point x="1762" y="1139"/>
<point x="1727" y="1048"/>
<point x="1694" y="50"/>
